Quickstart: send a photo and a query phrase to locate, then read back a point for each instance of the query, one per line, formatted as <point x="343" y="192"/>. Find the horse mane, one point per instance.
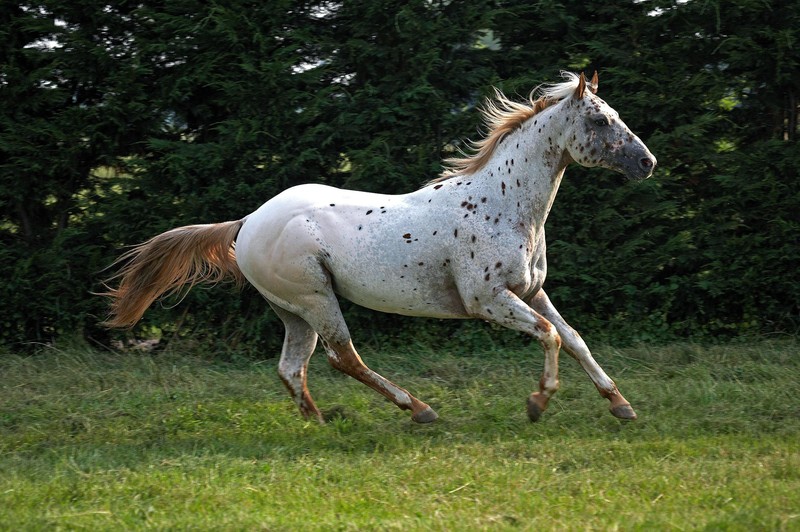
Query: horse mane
<point x="503" y="116"/>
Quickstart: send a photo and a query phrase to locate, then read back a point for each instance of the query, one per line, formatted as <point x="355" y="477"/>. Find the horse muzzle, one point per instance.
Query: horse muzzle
<point x="638" y="163"/>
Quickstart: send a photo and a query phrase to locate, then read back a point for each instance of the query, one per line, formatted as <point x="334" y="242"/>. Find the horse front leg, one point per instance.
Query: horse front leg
<point x="508" y="310"/>
<point x="575" y="346"/>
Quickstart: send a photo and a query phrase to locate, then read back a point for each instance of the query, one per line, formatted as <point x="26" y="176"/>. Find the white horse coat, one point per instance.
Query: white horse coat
<point x="470" y="244"/>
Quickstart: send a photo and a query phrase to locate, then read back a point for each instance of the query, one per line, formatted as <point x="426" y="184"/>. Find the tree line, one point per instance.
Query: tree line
<point x="123" y="119"/>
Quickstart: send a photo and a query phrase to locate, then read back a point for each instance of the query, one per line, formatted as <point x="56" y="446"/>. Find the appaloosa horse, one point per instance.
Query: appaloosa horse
<point x="470" y="244"/>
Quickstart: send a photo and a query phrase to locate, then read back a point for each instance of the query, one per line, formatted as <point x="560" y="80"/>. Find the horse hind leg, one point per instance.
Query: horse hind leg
<point x="343" y="356"/>
<point x="298" y="345"/>
<point x="306" y="293"/>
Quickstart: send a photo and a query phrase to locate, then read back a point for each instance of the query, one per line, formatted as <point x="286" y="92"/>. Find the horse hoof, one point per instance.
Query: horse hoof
<point x="534" y="408"/>
<point x="428" y="415"/>
<point x="623" y="412"/>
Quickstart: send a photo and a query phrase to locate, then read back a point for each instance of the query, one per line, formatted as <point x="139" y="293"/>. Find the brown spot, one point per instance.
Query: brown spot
<point x="407" y="235"/>
<point x="437" y="187"/>
<point x="498" y="265"/>
<point x="487" y="277"/>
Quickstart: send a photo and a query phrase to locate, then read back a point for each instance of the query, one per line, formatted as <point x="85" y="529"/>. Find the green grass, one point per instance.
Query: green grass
<point x="93" y="440"/>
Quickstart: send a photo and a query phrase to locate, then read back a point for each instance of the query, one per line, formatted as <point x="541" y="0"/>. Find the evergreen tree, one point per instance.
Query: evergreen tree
<point x="119" y="121"/>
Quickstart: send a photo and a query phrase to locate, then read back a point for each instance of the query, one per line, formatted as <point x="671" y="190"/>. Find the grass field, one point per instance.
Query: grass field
<point x="96" y="440"/>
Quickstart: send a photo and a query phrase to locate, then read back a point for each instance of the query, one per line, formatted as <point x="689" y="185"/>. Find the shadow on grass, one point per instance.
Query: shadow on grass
<point x="111" y="411"/>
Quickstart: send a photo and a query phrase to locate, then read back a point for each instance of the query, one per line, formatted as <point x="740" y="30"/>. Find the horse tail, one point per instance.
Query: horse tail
<point x="166" y="263"/>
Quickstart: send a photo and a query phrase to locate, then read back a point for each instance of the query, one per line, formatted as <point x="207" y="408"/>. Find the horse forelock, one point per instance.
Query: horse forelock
<point x="503" y="116"/>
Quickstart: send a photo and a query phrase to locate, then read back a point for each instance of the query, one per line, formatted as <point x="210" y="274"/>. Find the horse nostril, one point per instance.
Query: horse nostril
<point x="646" y="163"/>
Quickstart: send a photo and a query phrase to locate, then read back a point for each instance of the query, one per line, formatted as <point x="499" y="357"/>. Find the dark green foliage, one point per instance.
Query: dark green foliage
<point x="120" y="121"/>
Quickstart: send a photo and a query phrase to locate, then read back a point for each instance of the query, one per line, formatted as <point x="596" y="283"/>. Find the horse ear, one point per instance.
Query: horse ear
<point x="581" y="88"/>
<point x="594" y="83"/>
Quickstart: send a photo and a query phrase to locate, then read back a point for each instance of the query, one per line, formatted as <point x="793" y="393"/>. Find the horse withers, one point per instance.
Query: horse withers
<point x="469" y="244"/>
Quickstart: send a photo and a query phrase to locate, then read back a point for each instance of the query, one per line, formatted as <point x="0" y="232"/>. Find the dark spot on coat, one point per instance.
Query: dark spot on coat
<point x="455" y="233"/>
<point x="434" y="233"/>
<point x="407" y="235"/>
<point x="487" y="277"/>
<point x="437" y="187"/>
<point x="333" y="205"/>
<point x="498" y="265"/>
<point x="474" y="238"/>
<point x="369" y="211"/>
<point x="483" y="200"/>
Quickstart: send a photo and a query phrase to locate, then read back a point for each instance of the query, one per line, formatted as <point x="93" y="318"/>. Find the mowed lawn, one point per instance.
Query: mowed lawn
<point x="93" y="440"/>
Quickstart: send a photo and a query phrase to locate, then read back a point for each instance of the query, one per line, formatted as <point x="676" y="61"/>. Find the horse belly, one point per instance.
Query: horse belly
<point x="413" y="291"/>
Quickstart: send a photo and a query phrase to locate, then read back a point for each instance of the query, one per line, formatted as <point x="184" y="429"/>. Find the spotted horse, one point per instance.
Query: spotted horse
<point x="469" y="244"/>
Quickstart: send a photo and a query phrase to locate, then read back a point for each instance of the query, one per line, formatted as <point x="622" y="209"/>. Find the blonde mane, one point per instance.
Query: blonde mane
<point x="503" y="116"/>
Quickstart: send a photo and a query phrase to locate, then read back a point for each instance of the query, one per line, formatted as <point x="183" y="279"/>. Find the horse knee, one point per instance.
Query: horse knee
<point x="547" y="335"/>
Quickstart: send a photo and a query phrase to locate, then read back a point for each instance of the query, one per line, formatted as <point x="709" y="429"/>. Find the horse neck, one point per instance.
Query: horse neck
<point x="528" y="166"/>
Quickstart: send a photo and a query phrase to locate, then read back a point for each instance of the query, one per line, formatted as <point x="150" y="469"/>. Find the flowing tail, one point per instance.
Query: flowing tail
<point x="166" y="263"/>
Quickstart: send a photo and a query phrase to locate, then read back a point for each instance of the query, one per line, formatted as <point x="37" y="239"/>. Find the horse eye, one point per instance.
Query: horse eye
<point x="601" y="122"/>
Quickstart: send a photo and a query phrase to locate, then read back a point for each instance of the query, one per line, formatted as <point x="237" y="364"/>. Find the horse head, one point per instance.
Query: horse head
<point x="598" y="136"/>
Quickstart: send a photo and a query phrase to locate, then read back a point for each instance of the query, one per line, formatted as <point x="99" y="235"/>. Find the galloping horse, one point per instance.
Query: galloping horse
<point x="469" y="244"/>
